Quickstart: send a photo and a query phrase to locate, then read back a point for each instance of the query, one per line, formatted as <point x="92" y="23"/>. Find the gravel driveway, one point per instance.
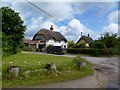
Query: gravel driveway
<point x="105" y="74"/>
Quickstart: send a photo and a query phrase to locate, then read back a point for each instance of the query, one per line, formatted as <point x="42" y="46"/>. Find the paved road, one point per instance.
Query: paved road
<point x="107" y="77"/>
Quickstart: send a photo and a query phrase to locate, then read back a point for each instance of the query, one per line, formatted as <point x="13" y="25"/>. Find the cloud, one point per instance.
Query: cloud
<point x="75" y="34"/>
<point x="33" y="27"/>
<point x="113" y="25"/>
<point x="111" y="28"/>
<point x="35" y="19"/>
<point x="113" y="17"/>
<point x="27" y="11"/>
<point x="60" y="10"/>
<point x="36" y="25"/>
<point x="70" y="34"/>
<point x="103" y="7"/>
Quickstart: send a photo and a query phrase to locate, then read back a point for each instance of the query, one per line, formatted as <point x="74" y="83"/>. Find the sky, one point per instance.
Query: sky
<point x="93" y="18"/>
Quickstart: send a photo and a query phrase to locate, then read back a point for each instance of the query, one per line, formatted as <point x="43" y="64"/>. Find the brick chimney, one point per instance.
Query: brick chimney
<point x="88" y="35"/>
<point x="51" y="28"/>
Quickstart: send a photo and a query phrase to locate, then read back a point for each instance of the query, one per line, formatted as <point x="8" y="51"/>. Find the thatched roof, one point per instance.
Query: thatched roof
<point x="86" y="38"/>
<point x="30" y="41"/>
<point x="48" y="34"/>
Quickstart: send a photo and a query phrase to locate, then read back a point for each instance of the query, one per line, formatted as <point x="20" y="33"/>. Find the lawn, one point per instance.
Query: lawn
<point x="67" y="70"/>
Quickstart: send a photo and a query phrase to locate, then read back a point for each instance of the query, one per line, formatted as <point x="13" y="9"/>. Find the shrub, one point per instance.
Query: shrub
<point x="71" y="44"/>
<point x="30" y="49"/>
<point x="98" y="44"/>
<point x="105" y="52"/>
<point x="90" y="51"/>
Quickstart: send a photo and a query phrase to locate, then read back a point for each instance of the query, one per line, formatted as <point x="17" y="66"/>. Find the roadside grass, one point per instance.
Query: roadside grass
<point x="67" y="70"/>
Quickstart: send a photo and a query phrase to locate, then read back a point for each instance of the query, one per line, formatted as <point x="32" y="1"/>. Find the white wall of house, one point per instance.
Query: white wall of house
<point x="56" y="43"/>
<point x="64" y="44"/>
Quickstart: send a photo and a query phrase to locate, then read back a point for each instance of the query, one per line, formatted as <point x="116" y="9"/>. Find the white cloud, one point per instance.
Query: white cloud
<point x="111" y="28"/>
<point x="113" y="25"/>
<point x="113" y="17"/>
<point x="36" y="25"/>
<point x="60" y="10"/>
<point x="70" y="34"/>
<point x="103" y="7"/>
<point x="36" y="19"/>
<point x="75" y="33"/>
<point x="33" y="27"/>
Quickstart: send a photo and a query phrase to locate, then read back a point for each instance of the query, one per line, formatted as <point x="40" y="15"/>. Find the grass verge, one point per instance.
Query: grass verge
<point x="34" y="62"/>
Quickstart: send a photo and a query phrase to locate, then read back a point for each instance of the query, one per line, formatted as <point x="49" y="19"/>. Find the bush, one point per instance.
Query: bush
<point x="90" y="51"/>
<point x="114" y="51"/>
<point x="98" y="44"/>
<point x="105" y="52"/>
<point x="30" y="49"/>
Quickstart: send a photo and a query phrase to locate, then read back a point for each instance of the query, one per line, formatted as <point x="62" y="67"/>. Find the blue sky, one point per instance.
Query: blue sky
<point x="95" y="18"/>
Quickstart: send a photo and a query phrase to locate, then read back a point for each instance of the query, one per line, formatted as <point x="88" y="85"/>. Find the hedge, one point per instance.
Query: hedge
<point x="30" y="49"/>
<point x="90" y="51"/>
<point x="94" y="51"/>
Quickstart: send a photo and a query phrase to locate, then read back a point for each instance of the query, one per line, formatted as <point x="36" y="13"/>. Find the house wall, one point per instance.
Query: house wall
<point x="64" y="44"/>
<point x="56" y="43"/>
<point x="83" y="42"/>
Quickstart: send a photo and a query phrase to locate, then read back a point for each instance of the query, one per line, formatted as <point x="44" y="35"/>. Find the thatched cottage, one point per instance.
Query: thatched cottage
<point x="46" y="37"/>
<point x="87" y="40"/>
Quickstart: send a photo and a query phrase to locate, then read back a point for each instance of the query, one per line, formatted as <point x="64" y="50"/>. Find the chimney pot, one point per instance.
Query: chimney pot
<point x="88" y="35"/>
<point x="51" y="28"/>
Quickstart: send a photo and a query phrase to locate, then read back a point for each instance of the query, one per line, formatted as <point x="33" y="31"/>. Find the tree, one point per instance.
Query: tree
<point x="98" y="44"/>
<point x="12" y="30"/>
<point x="110" y="41"/>
<point x="71" y="44"/>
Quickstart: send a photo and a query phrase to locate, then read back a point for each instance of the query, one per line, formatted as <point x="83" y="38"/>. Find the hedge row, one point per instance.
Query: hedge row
<point x="92" y="51"/>
<point x="30" y="49"/>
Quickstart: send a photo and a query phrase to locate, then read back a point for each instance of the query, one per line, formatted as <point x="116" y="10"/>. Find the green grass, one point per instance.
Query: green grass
<point x="66" y="67"/>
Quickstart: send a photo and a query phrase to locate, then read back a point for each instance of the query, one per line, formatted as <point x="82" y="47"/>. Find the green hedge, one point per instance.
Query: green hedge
<point x="94" y="51"/>
<point x="90" y="51"/>
<point x="30" y="49"/>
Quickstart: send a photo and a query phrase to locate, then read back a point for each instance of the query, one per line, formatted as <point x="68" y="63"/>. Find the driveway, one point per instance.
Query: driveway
<point x="105" y="74"/>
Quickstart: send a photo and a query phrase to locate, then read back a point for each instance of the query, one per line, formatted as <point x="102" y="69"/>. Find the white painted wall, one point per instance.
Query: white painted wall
<point x="56" y="43"/>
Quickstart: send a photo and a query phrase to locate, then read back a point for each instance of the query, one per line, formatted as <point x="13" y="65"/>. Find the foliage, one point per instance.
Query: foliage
<point x="110" y="41"/>
<point x="30" y="49"/>
<point x="71" y="44"/>
<point x="108" y="44"/>
<point x="12" y="31"/>
<point x="90" y="51"/>
<point x="34" y="62"/>
<point x="98" y="44"/>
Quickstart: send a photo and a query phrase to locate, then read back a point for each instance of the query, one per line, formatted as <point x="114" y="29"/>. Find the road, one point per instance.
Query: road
<point x="105" y="74"/>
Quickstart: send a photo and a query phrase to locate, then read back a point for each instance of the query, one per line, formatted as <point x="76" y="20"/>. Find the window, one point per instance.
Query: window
<point x="40" y="37"/>
<point x="64" y="46"/>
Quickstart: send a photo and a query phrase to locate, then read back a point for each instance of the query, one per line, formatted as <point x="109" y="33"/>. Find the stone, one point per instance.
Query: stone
<point x="99" y="69"/>
<point x="105" y="67"/>
<point x="51" y="66"/>
<point x="80" y="63"/>
<point x="14" y="71"/>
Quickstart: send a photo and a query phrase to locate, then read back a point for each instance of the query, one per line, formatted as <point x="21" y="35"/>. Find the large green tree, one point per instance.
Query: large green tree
<point x="109" y="40"/>
<point x="12" y="30"/>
